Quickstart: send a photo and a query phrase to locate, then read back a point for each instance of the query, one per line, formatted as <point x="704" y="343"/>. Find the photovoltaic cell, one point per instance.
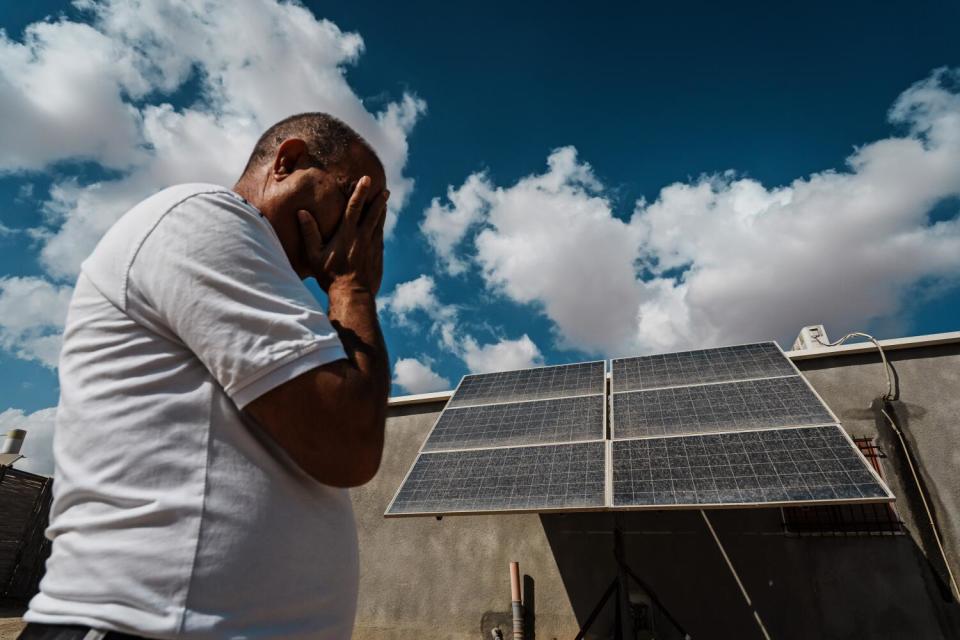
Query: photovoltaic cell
<point x="798" y="465"/>
<point x="519" y="423"/>
<point x="530" y="384"/>
<point x="538" y="478"/>
<point x="760" y="360"/>
<point x="767" y="403"/>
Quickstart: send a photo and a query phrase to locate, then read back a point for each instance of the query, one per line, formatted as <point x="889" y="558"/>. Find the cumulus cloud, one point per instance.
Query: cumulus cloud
<point x="32" y="314"/>
<point x="445" y="224"/>
<point x="418" y="296"/>
<point x="723" y="258"/>
<point x="38" y="446"/>
<point x="97" y="91"/>
<point x="505" y="355"/>
<point x="417" y="377"/>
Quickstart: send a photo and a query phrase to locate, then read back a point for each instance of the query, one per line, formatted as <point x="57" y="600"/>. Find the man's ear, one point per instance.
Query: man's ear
<point x="288" y="155"/>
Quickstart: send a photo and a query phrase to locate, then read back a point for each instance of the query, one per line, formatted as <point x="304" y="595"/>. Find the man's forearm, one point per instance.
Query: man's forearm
<point x="353" y="313"/>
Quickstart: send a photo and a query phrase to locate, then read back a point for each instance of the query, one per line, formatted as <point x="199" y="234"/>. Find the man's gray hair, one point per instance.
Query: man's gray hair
<point x="328" y="139"/>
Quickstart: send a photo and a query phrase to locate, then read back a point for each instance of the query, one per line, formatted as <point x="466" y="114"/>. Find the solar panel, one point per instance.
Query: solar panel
<point x="529" y="440"/>
<point x="586" y="378"/>
<point x="761" y="468"/>
<point x="536" y="478"/>
<point x="734" y="426"/>
<point x="519" y="423"/>
<point x="743" y="362"/>
<point x="766" y="403"/>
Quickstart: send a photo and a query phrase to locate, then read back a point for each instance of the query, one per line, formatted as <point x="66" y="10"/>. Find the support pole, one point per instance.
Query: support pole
<point x="516" y="604"/>
<point x="625" y="623"/>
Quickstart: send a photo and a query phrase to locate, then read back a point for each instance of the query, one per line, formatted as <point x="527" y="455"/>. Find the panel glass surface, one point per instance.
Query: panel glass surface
<point x="517" y="423"/>
<point x="760" y="360"/>
<point x="767" y="403"/>
<point x="797" y="465"/>
<point x="530" y="384"/>
<point x="565" y="476"/>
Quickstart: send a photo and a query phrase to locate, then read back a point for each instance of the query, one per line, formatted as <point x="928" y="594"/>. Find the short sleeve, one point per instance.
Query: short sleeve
<point x="214" y="274"/>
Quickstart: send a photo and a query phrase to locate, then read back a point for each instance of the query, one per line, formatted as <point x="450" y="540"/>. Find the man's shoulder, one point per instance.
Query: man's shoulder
<point x="108" y="264"/>
<point x="162" y="202"/>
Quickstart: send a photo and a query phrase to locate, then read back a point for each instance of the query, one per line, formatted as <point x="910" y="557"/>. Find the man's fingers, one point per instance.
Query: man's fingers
<point x="311" y="232"/>
<point x="377" y="216"/>
<point x="357" y="200"/>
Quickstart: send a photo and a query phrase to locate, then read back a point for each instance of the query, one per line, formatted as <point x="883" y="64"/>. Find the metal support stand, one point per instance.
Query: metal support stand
<point x="620" y="588"/>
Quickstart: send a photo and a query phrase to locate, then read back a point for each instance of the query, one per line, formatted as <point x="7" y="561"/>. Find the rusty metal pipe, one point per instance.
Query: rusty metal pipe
<point x="516" y="603"/>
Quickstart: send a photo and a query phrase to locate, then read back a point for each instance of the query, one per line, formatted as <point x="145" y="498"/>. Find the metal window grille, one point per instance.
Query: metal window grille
<point x="846" y="519"/>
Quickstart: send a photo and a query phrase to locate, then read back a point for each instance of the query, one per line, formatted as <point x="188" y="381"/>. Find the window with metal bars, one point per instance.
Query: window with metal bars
<point x="846" y="519"/>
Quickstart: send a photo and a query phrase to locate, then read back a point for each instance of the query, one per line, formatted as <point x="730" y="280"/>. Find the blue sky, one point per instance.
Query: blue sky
<point x="719" y="174"/>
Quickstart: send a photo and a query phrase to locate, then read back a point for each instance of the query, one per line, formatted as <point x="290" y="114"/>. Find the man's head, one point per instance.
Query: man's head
<point x="311" y="162"/>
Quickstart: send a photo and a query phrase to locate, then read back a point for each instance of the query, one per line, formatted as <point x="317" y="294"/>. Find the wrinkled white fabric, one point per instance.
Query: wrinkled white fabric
<point x="174" y="515"/>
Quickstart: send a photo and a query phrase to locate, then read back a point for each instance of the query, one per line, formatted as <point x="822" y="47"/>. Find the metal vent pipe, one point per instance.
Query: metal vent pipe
<point x="13" y="441"/>
<point x="517" y="605"/>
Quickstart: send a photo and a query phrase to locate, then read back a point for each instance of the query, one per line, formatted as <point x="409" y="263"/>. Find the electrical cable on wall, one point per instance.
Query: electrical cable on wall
<point x="888" y="371"/>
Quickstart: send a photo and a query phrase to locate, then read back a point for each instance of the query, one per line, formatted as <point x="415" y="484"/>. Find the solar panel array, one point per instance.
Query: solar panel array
<point x="581" y="379"/>
<point x="766" y="403"/>
<point x="743" y="362"/>
<point x="530" y="440"/>
<point x="741" y="468"/>
<point x="540" y="478"/>
<point x="734" y="426"/>
<point x="517" y="423"/>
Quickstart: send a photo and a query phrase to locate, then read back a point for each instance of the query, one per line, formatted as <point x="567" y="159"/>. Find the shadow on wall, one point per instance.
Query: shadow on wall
<point x="802" y="587"/>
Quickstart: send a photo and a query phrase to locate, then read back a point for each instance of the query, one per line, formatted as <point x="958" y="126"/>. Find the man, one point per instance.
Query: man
<point x="211" y="415"/>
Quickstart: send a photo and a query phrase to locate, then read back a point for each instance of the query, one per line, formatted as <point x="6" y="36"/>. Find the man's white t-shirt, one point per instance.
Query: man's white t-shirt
<point x="174" y="515"/>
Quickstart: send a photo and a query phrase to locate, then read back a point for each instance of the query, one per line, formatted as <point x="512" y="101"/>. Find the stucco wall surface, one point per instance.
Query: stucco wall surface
<point x="421" y="577"/>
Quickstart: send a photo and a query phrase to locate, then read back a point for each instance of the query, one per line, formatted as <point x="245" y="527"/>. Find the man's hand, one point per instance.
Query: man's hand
<point x="354" y="255"/>
<point x="331" y="419"/>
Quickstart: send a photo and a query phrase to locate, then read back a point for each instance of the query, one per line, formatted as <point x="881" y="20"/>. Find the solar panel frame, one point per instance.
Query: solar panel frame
<point x="796" y="372"/>
<point x="836" y="419"/>
<point x="607" y="441"/>
<point x="506" y="425"/>
<point x="741" y="405"/>
<point x="602" y="439"/>
<point x="864" y="465"/>
<point x="623" y="378"/>
<point x="601" y="506"/>
<point x="454" y="403"/>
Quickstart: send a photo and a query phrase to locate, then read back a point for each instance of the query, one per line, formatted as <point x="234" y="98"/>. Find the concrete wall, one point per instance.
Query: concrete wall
<point x="421" y="577"/>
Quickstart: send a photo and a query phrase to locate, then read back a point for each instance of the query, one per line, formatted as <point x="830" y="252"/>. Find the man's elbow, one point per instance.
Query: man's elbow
<point x="355" y="460"/>
<point x="353" y="469"/>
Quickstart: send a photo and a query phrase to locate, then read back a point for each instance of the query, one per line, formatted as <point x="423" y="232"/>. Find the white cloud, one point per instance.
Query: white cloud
<point x="417" y="377"/>
<point x="505" y="355"/>
<point x="445" y="225"/>
<point x="550" y="239"/>
<point x="72" y="90"/>
<point x="32" y="313"/>
<point x="61" y="93"/>
<point x="419" y="295"/>
<point x="721" y="259"/>
<point x="38" y="445"/>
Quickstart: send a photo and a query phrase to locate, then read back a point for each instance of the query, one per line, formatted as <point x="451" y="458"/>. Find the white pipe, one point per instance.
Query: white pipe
<point x="516" y="604"/>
